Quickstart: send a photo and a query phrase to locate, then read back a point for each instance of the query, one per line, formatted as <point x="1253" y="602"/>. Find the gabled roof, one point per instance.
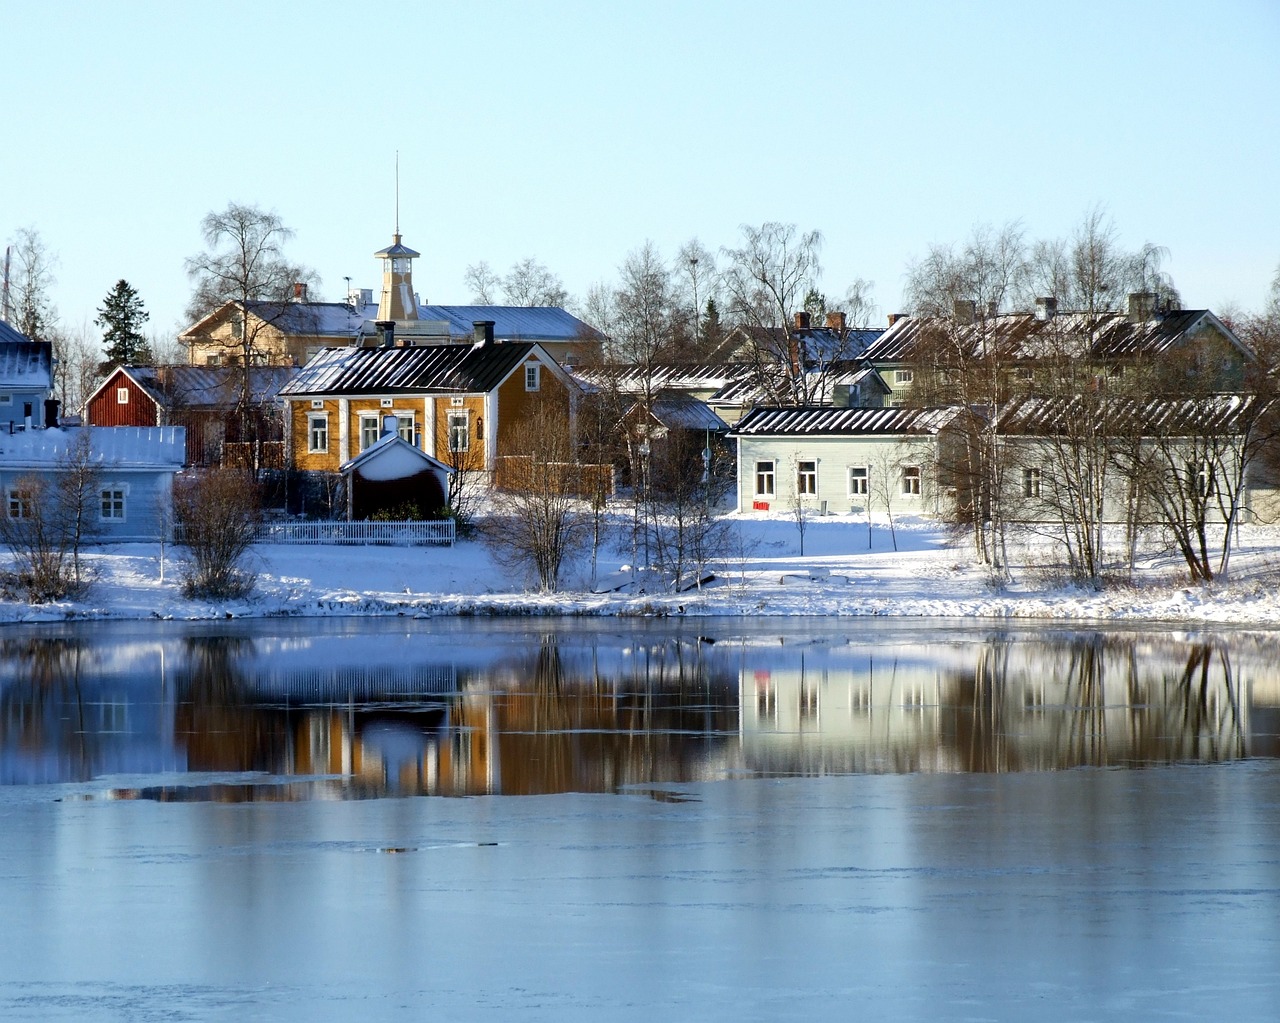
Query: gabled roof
<point x="10" y="334"/>
<point x="513" y="322"/>
<point x="420" y="369"/>
<point x="818" y="345"/>
<point x="306" y="319"/>
<point x="111" y="447"/>
<point x="681" y="412"/>
<point x="392" y="447"/>
<point x="666" y="376"/>
<point x="814" y="420"/>
<point x="26" y="363"/>
<point x="1024" y="336"/>
<point x="202" y="387"/>
<point x="1220" y="414"/>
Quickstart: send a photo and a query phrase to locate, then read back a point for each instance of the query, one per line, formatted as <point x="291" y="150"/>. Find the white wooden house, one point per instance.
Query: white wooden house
<point x="840" y="459"/>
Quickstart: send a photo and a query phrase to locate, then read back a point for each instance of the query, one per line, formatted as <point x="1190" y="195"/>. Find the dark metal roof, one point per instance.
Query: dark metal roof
<point x="811" y="420"/>
<point x="424" y="368"/>
<point x="10" y="334"/>
<point x="1156" y="416"/>
<point x="207" y="386"/>
<point x="512" y="322"/>
<point x="681" y="412"/>
<point x="1023" y="336"/>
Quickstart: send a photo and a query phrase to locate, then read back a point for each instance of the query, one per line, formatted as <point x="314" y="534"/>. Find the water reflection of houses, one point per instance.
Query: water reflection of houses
<point x="997" y="705"/>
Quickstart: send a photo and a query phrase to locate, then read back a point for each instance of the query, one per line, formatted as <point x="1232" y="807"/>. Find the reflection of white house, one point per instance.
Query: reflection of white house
<point x="134" y="469"/>
<point x="839" y="458"/>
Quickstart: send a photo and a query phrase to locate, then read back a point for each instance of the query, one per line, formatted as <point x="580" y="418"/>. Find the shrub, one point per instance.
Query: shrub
<point x="217" y="513"/>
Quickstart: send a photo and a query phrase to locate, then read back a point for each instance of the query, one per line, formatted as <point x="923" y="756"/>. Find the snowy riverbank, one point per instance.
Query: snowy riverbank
<point x="846" y="570"/>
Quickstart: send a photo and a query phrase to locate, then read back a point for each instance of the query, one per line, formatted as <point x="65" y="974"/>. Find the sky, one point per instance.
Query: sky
<point x="574" y="132"/>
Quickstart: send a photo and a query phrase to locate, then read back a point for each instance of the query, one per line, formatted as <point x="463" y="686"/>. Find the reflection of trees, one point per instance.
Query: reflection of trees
<point x="42" y="706"/>
<point x="547" y="726"/>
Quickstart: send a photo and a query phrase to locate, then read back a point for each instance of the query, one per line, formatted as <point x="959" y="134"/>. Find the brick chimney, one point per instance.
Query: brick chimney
<point x="835" y="321"/>
<point x="895" y="317"/>
<point x="299" y="291"/>
<point x="802" y="321"/>
<point x="964" y="310"/>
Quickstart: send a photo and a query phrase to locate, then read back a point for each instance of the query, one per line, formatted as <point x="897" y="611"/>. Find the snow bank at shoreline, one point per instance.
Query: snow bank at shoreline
<point x="848" y="569"/>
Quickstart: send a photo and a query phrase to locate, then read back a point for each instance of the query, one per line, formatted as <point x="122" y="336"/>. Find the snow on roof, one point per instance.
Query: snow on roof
<point x="26" y="363"/>
<point x="1219" y="414"/>
<point x="423" y="368"/>
<point x="513" y="323"/>
<point x="814" y="420"/>
<point x="207" y="386"/>
<point x="396" y="459"/>
<point x="10" y="334"/>
<point x="121" y="447"/>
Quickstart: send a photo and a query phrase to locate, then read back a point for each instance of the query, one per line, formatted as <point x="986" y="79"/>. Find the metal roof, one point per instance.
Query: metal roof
<point x="513" y="322"/>
<point x="207" y="386"/>
<point x="423" y="369"/>
<point x="26" y="363"/>
<point x="811" y="420"/>
<point x="10" y="334"/>
<point x="112" y="447"/>
<point x="1153" y="416"/>
<point x="1024" y="336"/>
<point x="681" y="412"/>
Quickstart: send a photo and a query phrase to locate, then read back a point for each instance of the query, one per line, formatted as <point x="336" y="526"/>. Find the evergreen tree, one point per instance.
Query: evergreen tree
<point x="121" y="318"/>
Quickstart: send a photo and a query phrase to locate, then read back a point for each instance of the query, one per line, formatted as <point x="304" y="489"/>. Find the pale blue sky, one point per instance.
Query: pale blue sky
<point x="573" y="132"/>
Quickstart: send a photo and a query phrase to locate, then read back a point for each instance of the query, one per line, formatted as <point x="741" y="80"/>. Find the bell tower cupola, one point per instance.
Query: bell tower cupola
<point x="397" y="301"/>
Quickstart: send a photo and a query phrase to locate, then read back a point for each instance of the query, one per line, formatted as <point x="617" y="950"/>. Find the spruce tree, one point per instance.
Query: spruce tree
<point x="121" y="318"/>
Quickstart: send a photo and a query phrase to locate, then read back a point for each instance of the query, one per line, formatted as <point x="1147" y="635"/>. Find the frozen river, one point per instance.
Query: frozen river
<point x="923" y="822"/>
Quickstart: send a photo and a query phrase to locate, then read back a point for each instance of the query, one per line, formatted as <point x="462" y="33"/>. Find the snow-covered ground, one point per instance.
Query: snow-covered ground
<point x="846" y="569"/>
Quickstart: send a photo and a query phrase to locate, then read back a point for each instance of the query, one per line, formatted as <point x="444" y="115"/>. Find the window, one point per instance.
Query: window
<point x="213" y="360"/>
<point x="459" y="431"/>
<point x="19" y="504"/>
<point x="1201" y="478"/>
<point x="318" y="433"/>
<point x="806" y="478"/>
<point x="369" y="431"/>
<point x="237" y="326"/>
<point x="764" y="479"/>
<point x="385" y="402"/>
<point x="532" y="377"/>
<point x="858" y="480"/>
<point x="911" y="481"/>
<point x="6" y="399"/>
<point x="112" y="504"/>
<point x="479" y="428"/>
<point x="903" y="376"/>
<point x="405" y="427"/>
<point x="1031" y="482"/>
<point x="122" y="396"/>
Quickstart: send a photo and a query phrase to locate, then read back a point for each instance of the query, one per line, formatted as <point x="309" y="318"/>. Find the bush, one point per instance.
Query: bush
<point x="217" y="513"/>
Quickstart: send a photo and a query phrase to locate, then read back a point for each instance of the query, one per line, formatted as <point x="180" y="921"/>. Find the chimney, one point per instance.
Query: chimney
<point x="299" y="292"/>
<point x="993" y="309"/>
<point x="964" y="310"/>
<point x="835" y="321"/>
<point x="390" y="426"/>
<point x="51" y="413"/>
<point x="1142" y="306"/>
<point x="483" y="333"/>
<point x="26" y="415"/>
<point x="802" y="321"/>
<point x="895" y="317"/>
<point x="1046" y="308"/>
<point x="387" y="330"/>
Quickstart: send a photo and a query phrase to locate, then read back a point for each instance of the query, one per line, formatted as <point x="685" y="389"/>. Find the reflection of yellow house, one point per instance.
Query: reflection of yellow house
<point x="461" y="404"/>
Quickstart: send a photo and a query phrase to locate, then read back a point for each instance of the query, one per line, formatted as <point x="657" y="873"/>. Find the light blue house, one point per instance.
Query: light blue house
<point x="26" y="381"/>
<point x="133" y="465"/>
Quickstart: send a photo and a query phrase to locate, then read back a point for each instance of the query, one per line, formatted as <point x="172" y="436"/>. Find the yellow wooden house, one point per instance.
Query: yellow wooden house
<point x="462" y="404"/>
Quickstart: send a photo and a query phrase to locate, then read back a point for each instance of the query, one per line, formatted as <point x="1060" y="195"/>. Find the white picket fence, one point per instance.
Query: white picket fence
<point x="355" y="533"/>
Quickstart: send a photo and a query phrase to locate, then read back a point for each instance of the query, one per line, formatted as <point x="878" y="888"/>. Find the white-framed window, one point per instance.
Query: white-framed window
<point x="318" y="432"/>
<point x="317" y="403"/>
<point x="405" y="427"/>
<point x="369" y="431"/>
<point x="122" y="396"/>
<point x="111" y="504"/>
<point x="459" y="431"/>
<point x="911" y="481"/>
<point x="237" y="326"/>
<point x="765" y="478"/>
<point x="903" y="376"/>
<point x="1031" y="481"/>
<point x="18" y="503"/>
<point x="859" y="480"/>
<point x="532" y="377"/>
<point x="1026" y="374"/>
<point x="807" y="477"/>
<point x="385" y="402"/>
<point x="213" y="360"/>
